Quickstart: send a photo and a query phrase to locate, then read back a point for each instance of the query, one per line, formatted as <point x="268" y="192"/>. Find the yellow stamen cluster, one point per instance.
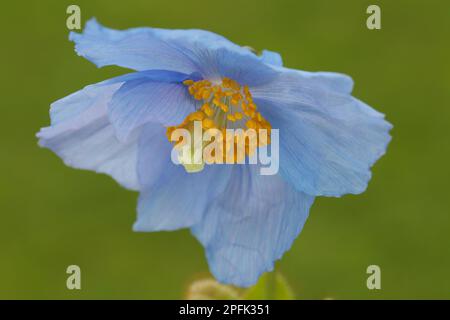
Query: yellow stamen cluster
<point x="226" y="105"/>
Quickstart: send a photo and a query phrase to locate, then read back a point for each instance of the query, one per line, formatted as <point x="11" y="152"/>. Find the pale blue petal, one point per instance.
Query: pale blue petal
<point x="139" y="49"/>
<point x="140" y="101"/>
<point x="145" y="48"/>
<point x="240" y="65"/>
<point x="178" y="199"/>
<point x="273" y="58"/>
<point x="292" y="85"/>
<point x="251" y="225"/>
<point x="328" y="139"/>
<point x="172" y="198"/>
<point x="154" y="157"/>
<point x="80" y="133"/>
<point x="186" y="51"/>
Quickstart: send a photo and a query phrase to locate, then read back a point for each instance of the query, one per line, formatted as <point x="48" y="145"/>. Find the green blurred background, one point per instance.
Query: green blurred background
<point x="53" y="216"/>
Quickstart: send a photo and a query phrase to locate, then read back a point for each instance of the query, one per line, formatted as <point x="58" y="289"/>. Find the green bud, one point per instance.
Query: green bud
<point x="209" y="289"/>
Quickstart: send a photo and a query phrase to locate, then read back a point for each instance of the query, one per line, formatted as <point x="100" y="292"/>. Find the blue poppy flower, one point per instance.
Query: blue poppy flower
<point x="328" y="139"/>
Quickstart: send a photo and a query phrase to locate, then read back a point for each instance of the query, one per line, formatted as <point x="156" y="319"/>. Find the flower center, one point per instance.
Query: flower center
<point x="224" y="105"/>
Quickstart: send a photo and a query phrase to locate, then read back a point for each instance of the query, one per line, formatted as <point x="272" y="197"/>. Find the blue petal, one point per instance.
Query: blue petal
<point x="328" y="139"/>
<point x="144" y="48"/>
<point x="292" y="85"/>
<point x="154" y="155"/>
<point x="240" y="65"/>
<point x="80" y="133"/>
<point x="145" y="100"/>
<point x="273" y="58"/>
<point x="251" y="225"/>
<point x="185" y="51"/>
<point x="172" y="198"/>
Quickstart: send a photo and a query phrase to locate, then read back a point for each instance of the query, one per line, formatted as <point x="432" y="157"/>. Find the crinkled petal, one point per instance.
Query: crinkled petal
<point x="145" y="48"/>
<point x="243" y="66"/>
<point x="294" y="85"/>
<point x="186" y="51"/>
<point x="80" y="133"/>
<point x="145" y="100"/>
<point x="271" y="57"/>
<point x="172" y="198"/>
<point x="154" y="156"/>
<point x="250" y="225"/>
<point x="139" y="48"/>
<point x="328" y="139"/>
